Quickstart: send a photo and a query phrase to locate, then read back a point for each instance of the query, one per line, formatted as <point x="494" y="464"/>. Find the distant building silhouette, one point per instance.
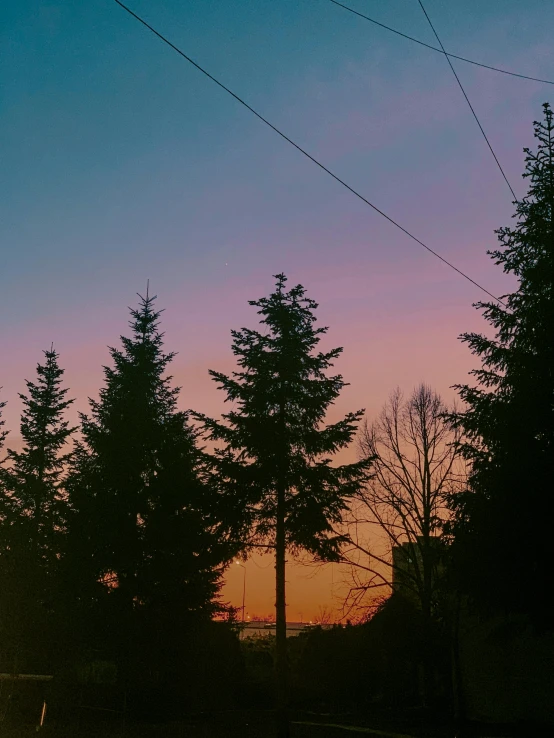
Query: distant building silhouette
<point x="405" y="560"/>
<point x="407" y="566"/>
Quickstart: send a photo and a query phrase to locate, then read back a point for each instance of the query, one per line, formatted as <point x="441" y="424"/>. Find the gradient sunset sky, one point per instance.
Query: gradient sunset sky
<point x="121" y="163"/>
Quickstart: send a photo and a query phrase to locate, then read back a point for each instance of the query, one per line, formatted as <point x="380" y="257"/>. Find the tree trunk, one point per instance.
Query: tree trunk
<point x="457" y="680"/>
<point x="427" y="685"/>
<point x="281" y="662"/>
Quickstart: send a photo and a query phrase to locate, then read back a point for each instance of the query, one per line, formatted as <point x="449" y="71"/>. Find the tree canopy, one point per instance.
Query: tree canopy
<point x="275" y="434"/>
<point x="34" y="514"/>
<point x="273" y="461"/>
<point x="144" y="521"/>
<point x="504" y="553"/>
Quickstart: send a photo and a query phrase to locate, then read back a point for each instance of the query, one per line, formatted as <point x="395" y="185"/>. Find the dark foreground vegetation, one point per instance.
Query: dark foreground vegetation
<point x="112" y="549"/>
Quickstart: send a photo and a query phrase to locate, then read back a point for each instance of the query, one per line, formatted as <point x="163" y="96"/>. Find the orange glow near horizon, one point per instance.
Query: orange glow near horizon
<point x="405" y="357"/>
<point x="124" y="165"/>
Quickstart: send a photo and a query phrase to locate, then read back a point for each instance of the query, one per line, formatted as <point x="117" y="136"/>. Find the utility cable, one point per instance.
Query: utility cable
<point x="305" y="153"/>
<point x="468" y="101"/>
<point x="440" y="51"/>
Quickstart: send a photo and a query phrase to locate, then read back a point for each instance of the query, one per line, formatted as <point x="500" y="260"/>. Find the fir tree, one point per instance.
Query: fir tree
<point x="34" y="516"/>
<point x="143" y="526"/>
<point x="33" y="480"/>
<point x="504" y="554"/>
<point x="274" y="459"/>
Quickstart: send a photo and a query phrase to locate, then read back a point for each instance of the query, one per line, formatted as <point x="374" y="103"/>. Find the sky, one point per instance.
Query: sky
<point x="120" y="163"/>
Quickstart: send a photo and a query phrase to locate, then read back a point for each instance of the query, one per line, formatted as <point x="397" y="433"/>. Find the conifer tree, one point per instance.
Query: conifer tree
<point x="275" y="451"/>
<point x="504" y="551"/>
<point x="34" y="514"/>
<point x="33" y="479"/>
<point x="143" y="524"/>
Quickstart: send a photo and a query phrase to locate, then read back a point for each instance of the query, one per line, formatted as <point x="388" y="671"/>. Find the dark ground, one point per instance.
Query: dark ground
<point x="253" y="724"/>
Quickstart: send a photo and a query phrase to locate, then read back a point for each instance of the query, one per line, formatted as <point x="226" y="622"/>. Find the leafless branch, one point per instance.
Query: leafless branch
<point x="417" y="466"/>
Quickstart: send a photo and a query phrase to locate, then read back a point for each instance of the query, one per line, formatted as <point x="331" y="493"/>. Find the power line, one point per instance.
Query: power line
<point x="467" y="100"/>
<point x="440" y="51"/>
<point x="304" y="152"/>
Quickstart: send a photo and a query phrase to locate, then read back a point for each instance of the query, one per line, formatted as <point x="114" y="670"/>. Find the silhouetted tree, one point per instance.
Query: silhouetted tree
<point x="274" y="462"/>
<point x="35" y="508"/>
<point x="503" y="546"/>
<point x="144" y="525"/>
<point x="35" y="473"/>
<point x="417" y="467"/>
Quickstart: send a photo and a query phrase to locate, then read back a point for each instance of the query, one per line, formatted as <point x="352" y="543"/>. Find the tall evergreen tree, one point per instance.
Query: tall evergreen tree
<point x="35" y="509"/>
<point x="144" y="527"/>
<point x="33" y="480"/>
<point x="503" y="544"/>
<point x="274" y="456"/>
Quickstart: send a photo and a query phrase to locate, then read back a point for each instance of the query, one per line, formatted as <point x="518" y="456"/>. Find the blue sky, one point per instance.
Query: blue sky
<point x="121" y="163"/>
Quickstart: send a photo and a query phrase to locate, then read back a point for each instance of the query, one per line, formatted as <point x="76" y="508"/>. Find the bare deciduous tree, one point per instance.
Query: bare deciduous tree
<point x="394" y="527"/>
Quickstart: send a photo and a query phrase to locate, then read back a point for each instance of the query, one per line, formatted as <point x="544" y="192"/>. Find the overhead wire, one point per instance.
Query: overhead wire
<point x="305" y="153"/>
<point x="440" y="51"/>
<point x="468" y="101"/>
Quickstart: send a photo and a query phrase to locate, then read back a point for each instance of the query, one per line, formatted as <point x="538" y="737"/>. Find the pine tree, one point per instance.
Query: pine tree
<point x="143" y="528"/>
<point x="501" y="547"/>
<point x="274" y="458"/>
<point x="35" y="512"/>
<point x="33" y="480"/>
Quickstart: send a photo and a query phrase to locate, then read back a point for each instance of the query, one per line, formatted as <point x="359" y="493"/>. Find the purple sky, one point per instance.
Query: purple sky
<point x="121" y="163"/>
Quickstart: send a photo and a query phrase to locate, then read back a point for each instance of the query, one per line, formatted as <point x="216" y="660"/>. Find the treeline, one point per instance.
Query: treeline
<point x="114" y="535"/>
<point x="112" y="548"/>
